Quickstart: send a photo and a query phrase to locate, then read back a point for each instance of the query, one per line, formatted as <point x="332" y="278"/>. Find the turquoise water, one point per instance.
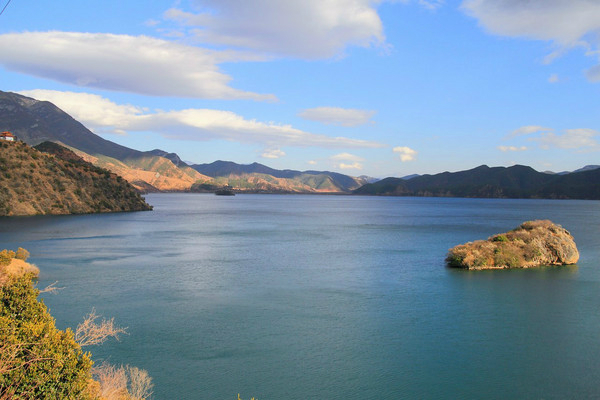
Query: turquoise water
<point x="326" y="297"/>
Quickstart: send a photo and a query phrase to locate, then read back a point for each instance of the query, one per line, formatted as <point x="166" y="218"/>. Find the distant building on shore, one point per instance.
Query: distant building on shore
<point x="6" y="135"/>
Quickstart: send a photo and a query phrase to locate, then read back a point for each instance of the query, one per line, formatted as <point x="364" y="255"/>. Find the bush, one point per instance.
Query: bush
<point x="37" y="361"/>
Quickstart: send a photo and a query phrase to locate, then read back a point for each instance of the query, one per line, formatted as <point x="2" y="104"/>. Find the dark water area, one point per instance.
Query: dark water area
<point x="326" y="297"/>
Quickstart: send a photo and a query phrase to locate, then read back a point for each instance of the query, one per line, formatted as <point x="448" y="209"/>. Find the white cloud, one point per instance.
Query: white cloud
<point x="553" y="78"/>
<point x="309" y="29"/>
<point x="103" y="115"/>
<point x="136" y="64"/>
<point x="272" y="153"/>
<point x="578" y="139"/>
<point x="528" y="130"/>
<point x="338" y="116"/>
<point x="581" y="139"/>
<point x="312" y="162"/>
<point x="432" y="4"/>
<point x="346" y="157"/>
<point x="567" y="23"/>
<point x="563" y="21"/>
<point x="406" y="153"/>
<point x="355" y="165"/>
<point x="512" y="148"/>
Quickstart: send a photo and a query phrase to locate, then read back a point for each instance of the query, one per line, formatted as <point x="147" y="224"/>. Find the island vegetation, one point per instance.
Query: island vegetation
<point x="532" y="244"/>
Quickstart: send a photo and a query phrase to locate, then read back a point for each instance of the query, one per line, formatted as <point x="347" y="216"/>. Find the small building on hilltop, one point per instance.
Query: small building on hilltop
<point x="6" y="135"/>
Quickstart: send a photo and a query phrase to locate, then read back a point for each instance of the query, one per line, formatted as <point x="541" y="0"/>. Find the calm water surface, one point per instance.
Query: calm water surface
<point x="326" y="297"/>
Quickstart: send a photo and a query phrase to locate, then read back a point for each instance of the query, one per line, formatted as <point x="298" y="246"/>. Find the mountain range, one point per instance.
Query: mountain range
<point x="35" y="121"/>
<point x="518" y="181"/>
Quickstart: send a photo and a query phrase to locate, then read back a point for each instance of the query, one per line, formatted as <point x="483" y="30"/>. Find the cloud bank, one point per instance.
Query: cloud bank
<point x="310" y="29"/>
<point x="103" y="115"/>
<point x="567" y="23"/>
<point x="135" y="64"/>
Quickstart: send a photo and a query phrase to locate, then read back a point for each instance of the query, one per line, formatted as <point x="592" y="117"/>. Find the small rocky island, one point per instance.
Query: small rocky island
<point x="532" y="244"/>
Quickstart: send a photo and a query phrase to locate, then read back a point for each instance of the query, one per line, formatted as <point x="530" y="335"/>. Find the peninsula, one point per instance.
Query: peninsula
<point x="51" y="179"/>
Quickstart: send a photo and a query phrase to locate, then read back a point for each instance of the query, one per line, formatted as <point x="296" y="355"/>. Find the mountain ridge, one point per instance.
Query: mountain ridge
<point x="518" y="181"/>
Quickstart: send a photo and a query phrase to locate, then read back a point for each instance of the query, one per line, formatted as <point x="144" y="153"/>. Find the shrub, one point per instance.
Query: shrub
<point x="39" y="361"/>
<point x="500" y="238"/>
<point x="6" y="256"/>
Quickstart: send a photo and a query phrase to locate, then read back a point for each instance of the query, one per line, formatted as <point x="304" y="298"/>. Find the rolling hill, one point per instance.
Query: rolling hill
<point x="257" y="177"/>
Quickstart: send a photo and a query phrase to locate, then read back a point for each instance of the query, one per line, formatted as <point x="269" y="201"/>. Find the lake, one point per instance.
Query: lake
<point x="326" y="297"/>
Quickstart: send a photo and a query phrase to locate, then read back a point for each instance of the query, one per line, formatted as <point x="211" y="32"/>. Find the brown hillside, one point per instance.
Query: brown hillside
<point x="35" y="183"/>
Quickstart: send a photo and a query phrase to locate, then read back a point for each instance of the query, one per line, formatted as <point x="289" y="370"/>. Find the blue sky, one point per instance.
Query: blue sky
<point x="379" y="88"/>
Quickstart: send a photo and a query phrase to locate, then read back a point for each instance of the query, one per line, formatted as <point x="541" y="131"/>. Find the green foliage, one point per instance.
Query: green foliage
<point x="500" y="238"/>
<point x="37" y="361"/>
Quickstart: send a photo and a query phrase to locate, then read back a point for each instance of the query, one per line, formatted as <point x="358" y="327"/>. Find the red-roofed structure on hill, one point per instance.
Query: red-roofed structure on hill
<point x="6" y="135"/>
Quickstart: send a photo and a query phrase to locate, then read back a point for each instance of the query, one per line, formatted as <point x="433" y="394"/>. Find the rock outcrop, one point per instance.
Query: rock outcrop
<point x="532" y="244"/>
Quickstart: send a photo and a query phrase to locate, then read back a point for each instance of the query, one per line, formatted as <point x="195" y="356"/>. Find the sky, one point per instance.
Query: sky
<point x="362" y="87"/>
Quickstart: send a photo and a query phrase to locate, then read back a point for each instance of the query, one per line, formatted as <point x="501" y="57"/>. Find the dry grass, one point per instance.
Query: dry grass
<point x="15" y="269"/>
<point x="122" y="383"/>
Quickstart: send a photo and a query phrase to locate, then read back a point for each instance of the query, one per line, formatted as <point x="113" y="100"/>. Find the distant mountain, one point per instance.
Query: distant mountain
<point x="53" y="180"/>
<point x="35" y="121"/>
<point x="513" y="182"/>
<point x="587" y="168"/>
<point x="407" y="177"/>
<point x="258" y="177"/>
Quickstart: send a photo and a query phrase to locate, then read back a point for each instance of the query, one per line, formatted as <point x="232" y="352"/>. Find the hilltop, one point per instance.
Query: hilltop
<point x="518" y="181"/>
<point x="34" y="182"/>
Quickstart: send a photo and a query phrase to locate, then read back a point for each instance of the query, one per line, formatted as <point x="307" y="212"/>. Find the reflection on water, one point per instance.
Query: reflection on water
<point x="326" y="297"/>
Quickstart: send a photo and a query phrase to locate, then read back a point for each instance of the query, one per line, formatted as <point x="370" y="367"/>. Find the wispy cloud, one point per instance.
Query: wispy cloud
<point x="406" y="153"/>
<point x="355" y="165"/>
<point x="272" y="153"/>
<point x="580" y="139"/>
<point x="103" y="115"/>
<point x="346" y="157"/>
<point x="567" y="23"/>
<point x="338" y="116"/>
<point x="310" y="29"/>
<point x="575" y="139"/>
<point x="512" y="148"/>
<point x="347" y="161"/>
<point x="528" y="130"/>
<point x="136" y="64"/>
